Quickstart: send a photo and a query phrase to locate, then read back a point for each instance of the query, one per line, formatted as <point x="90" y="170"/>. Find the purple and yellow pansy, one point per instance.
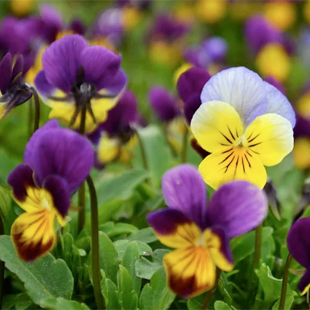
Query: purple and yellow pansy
<point x="56" y="162"/>
<point x="74" y="75"/>
<point x="245" y="123"/>
<point x="199" y="230"/>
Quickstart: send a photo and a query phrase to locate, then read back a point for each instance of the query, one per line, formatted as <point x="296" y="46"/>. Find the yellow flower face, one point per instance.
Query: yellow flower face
<point x="33" y="232"/>
<point x="239" y="153"/>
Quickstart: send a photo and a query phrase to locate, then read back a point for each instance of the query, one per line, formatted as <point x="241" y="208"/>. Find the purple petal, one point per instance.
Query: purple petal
<point x="302" y="127"/>
<point x="304" y="282"/>
<point x="42" y="85"/>
<point x="164" y="105"/>
<point x="52" y="21"/>
<point x="19" y="179"/>
<point x="122" y="115"/>
<point x="238" y="207"/>
<point x="225" y="247"/>
<point x="77" y="26"/>
<point x="184" y="190"/>
<point x="241" y="88"/>
<point x="61" y="61"/>
<point x="278" y="85"/>
<point x="100" y="65"/>
<point x="116" y="84"/>
<point x="278" y="103"/>
<point x="259" y="32"/>
<point x="298" y="241"/>
<point x="216" y="47"/>
<point x="191" y="106"/>
<point x="60" y="152"/>
<point x="166" y="221"/>
<point x="5" y="72"/>
<point x="192" y="82"/>
<point x="58" y="188"/>
<point x="36" y="137"/>
<point x="18" y="69"/>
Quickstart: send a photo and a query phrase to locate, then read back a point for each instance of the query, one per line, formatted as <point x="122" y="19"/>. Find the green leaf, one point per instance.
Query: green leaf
<point x="156" y="149"/>
<point x="156" y="295"/>
<point x="19" y="301"/>
<point x="128" y="298"/>
<point x="145" y="235"/>
<point x="110" y="294"/>
<point x="145" y="268"/>
<point x="120" y="186"/>
<point x="271" y="286"/>
<point x="131" y="255"/>
<point x="5" y="202"/>
<point x="112" y="229"/>
<point x="288" y="303"/>
<point x="121" y="246"/>
<point x="220" y="305"/>
<point x="107" y="210"/>
<point x="243" y="246"/>
<point x="44" y="278"/>
<point x="108" y="257"/>
<point x="61" y="304"/>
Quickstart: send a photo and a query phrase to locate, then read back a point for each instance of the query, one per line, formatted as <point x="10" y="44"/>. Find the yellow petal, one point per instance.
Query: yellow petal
<point x="216" y="125"/>
<point x="185" y="234"/>
<point x="33" y="234"/>
<point x="301" y="153"/>
<point x="233" y="163"/>
<point x="108" y="149"/>
<point x="190" y="271"/>
<point x="215" y="246"/>
<point x="270" y="137"/>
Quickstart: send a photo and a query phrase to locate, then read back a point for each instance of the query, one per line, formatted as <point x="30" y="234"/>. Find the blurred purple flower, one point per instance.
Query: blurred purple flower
<point x="163" y="104"/>
<point x="13" y="91"/>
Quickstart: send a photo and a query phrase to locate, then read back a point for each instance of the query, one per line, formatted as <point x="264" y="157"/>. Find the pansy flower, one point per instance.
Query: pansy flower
<point x="245" y="123"/>
<point x="298" y="243"/>
<point x="199" y="230"/>
<point x="76" y="75"/>
<point x="13" y="92"/>
<point x="116" y="137"/>
<point x="56" y="162"/>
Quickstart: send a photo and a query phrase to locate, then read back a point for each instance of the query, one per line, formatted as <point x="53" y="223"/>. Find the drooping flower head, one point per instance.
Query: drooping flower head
<point x="56" y="162"/>
<point x="199" y="230"/>
<point x="298" y="243"/>
<point x="12" y="89"/>
<point x="245" y="123"/>
<point x="116" y="138"/>
<point x="74" y="75"/>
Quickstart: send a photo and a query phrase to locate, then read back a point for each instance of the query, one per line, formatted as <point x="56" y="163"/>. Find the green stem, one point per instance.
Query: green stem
<point x="30" y="118"/>
<point x="258" y="245"/>
<point x="36" y="109"/>
<point x="95" y="243"/>
<point x="142" y="149"/>
<point x="210" y="293"/>
<point x="184" y="146"/>
<point x="81" y="193"/>
<point x="284" y="282"/>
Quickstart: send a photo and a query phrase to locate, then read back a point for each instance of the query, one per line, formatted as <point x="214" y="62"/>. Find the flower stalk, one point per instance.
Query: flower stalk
<point x="81" y="193"/>
<point x="284" y="282"/>
<point x="142" y="149"/>
<point x="95" y="243"/>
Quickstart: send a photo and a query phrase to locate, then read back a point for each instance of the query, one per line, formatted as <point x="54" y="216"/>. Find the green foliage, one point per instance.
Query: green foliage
<point x="156" y="295"/>
<point x="44" y="278"/>
<point x="61" y="304"/>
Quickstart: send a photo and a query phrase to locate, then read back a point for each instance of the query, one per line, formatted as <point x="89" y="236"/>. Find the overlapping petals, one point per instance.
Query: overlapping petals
<point x="245" y="123"/>
<point x="73" y="70"/>
<point x="298" y="244"/>
<point x="199" y="232"/>
<point x="56" y="162"/>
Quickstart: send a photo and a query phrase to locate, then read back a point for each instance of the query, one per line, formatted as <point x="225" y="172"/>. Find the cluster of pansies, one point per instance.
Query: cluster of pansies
<point x="158" y="136"/>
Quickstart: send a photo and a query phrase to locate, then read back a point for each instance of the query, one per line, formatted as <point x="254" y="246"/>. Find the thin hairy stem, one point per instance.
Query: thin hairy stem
<point x="284" y="282"/>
